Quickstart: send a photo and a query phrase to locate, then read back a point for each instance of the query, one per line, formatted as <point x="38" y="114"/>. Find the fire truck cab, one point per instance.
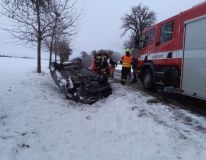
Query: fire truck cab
<point x="173" y="53"/>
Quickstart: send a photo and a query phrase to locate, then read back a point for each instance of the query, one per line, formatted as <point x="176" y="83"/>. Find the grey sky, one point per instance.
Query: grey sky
<point x="100" y="24"/>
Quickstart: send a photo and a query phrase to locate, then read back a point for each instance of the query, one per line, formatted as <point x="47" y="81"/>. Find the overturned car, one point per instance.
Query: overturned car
<point x="79" y="83"/>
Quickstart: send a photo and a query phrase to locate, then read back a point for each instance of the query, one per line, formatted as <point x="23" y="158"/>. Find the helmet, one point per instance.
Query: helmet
<point x="127" y="50"/>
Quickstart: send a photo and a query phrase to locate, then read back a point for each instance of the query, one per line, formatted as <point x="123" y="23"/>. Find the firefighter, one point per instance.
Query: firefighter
<point x="134" y="69"/>
<point x="126" y="61"/>
<point x="113" y="64"/>
<point x="101" y="63"/>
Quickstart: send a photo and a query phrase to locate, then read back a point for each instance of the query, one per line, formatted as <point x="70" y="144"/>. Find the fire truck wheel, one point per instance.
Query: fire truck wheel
<point x="147" y="79"/>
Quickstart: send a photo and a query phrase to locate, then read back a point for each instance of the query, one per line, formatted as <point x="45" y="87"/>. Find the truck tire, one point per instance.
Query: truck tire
<point x="148" y="79"/>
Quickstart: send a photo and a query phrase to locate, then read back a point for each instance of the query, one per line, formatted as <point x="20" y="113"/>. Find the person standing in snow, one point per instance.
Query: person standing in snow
<point x="113" y="64"/>
<point x="101" y="62"/>
<point x="134" y="69"/>
<point x="126" y="62"/>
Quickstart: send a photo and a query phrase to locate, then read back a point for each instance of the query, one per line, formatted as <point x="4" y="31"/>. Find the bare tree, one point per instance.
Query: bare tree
<point x="64" y="25"/>
<point x="130" y="43"/>
<point x="83" y="54"/>
<point x="93" y="53"/>
<point x="33" y="20"/>
<point x="139" y="18"/>
<point x="62" y="48"/>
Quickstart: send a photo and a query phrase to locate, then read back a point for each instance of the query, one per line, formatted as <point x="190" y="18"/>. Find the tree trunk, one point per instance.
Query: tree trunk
<point x="51" y="49"/>
<point x="137" y="40"/>
<point x="39" y="37"/>
<point x="39" y="56"/>
<point x="50" y="54"/>
<point x="55" y="58"/>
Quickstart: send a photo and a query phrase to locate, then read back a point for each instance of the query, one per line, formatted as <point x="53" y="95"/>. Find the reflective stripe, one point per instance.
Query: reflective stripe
<point x="162" y="55"/>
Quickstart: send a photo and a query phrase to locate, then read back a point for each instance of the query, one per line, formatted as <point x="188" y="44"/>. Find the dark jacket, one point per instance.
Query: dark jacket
<point x="134" y="63"/>
<point x="113" y="63"/>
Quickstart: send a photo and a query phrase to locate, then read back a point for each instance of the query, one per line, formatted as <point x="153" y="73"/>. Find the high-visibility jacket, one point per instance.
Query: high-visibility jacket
<point x="126" y="61"/>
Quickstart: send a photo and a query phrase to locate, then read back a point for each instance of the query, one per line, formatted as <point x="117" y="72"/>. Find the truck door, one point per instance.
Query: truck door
<point x="166" y="40"/>
<point x="194" y="60"/>
<point x="152" y="35"/>
<point x="144" y="45"/>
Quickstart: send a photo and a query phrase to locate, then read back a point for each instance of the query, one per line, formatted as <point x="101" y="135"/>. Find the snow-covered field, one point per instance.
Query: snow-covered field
<point x="38" y="123"/>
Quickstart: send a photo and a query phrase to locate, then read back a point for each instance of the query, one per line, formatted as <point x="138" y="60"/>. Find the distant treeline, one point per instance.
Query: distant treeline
<point x="16" y="57"/>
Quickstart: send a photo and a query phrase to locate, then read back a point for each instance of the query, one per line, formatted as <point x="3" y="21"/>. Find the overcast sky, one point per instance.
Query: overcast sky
<point x="99" y="26"/>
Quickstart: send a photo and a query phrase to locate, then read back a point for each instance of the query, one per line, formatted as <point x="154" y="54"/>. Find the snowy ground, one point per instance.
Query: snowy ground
<point x="38" y="123"/>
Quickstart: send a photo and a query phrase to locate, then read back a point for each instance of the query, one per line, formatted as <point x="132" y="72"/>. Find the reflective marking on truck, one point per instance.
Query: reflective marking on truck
<point x="162" y="55"/>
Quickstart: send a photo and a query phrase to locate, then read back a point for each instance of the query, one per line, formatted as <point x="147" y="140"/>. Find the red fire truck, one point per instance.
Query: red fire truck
<point x="173" y="53"/>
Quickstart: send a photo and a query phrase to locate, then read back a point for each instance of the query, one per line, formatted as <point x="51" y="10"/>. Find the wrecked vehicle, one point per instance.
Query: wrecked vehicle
<point x="79" y="83"/>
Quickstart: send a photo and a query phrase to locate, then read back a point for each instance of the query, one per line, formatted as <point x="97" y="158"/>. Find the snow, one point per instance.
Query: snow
<point x="119" y="67"/>
<point x="38" y="123"/>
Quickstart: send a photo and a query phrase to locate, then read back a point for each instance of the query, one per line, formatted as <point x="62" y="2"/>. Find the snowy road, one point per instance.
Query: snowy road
<point x="38" y="123"/>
